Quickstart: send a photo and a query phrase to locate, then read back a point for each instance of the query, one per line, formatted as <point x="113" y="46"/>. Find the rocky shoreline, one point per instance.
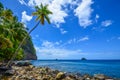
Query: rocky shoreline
<point x="26" y="71"/>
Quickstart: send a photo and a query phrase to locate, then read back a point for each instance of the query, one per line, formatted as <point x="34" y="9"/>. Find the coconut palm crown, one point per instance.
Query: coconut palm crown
<point x="42" y="13"/>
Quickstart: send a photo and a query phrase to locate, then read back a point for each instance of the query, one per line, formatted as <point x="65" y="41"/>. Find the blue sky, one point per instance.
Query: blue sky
<point x="79" y="28"/>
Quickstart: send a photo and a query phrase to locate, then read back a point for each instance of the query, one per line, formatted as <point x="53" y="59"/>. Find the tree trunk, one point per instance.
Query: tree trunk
<point x="15" y="54"/>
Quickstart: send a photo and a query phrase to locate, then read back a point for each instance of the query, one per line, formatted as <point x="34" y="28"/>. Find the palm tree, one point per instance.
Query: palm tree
<point x="42" y="13"/>
<point x="11" y="31"/>
<point x="1" y="8"/>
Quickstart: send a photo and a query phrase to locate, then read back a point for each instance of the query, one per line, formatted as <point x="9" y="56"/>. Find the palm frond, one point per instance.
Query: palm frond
<point x="47" y="18"/>
<point x="42" y="13"/>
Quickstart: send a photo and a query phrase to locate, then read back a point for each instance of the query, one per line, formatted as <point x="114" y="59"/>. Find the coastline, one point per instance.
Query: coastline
<point x="26" y="71"/>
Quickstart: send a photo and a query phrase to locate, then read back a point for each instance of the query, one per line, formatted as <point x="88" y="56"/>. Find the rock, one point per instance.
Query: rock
<point x="9" y="72"/>
<point x="3" y="69"/>
<point x="55" y="72"/>
<point x="2" y="64"/>
<point x="52" y="78"/>
<point x="15" y="78"/>
<point x="38" y="77"/>
<point x="22" y="71"/>
<point x="68" y="78"/>
<point x="99" y="76"/>
<point x="60" y="76"/>
<point x="44" y="78"/>
<point x="31" y="66"/>
<point x="23" y="63"/>
<point x="72" y="76"/>
<point x="78" y="74"/>
<point x="31" y="72"/>
<point x="109" y="79"/>
<point x="87" y="78"/>
<point x="93" y="79"/>
<point x="83" y="58"/>
<point x="86" y="75"/>
<point x="47" y="69"/>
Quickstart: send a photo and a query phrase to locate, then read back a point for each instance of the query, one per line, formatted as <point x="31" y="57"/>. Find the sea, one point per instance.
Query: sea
<point x="108" y="67"/>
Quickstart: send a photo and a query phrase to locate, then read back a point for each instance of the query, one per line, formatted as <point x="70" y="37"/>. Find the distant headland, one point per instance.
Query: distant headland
<point x="83" y="58"/>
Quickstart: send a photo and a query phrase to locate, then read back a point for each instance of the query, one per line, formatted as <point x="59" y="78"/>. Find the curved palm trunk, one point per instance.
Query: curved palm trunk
<point x="15" y="54"/>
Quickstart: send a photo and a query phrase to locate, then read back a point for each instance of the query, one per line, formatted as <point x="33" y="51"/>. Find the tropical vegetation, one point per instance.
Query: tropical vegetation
<point x="11" y="34"/>
<point x="42" y="13"/>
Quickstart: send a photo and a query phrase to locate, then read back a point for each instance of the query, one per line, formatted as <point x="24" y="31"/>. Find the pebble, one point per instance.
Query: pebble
<point x="31" y="72"/>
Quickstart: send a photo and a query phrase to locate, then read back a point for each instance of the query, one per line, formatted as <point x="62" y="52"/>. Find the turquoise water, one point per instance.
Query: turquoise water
<point x="107" y="67"/>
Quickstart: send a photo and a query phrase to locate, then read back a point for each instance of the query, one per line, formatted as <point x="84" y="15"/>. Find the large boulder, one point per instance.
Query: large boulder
<point x="3" y="69"/>
<point x="60" y="76"/>
<point x="9" y="72"/>
<point x="99" y="76"/>
<point x="23" y="63"/>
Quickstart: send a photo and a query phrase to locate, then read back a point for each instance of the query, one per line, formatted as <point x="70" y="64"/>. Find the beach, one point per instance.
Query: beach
<point x="27" y="71"/>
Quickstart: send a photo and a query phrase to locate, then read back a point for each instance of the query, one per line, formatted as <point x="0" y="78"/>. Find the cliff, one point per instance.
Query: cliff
<point x="29" y="50"/>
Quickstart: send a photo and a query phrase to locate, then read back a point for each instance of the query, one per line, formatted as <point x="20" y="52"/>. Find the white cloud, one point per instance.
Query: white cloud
<point x="73" y="4"/>
<point x="59" y="14"/>
<point x="74" y="40"/>
<point x="47" y="44"/>
<point x="110" y="39"/>
<point x="63" y="31"/>
<point x="113" y="38"/>
<point x="57" y="43"/>
<point x="22" y="2"/>
<point x="55" y="6"/>
<point x="83" y="12"/>
<point x="106" y="23"/>
<point x="119" y="38"/>
<point x="83" y="39"/>
<point x="70" y="41"/>
<point x="37" y="36"/>
<point x="25" y="17"/>
<point x="33" y="3"/>
<point x="50" y="50"/>
<point x="97" y="17"/>
<point x="53" y="53"/>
